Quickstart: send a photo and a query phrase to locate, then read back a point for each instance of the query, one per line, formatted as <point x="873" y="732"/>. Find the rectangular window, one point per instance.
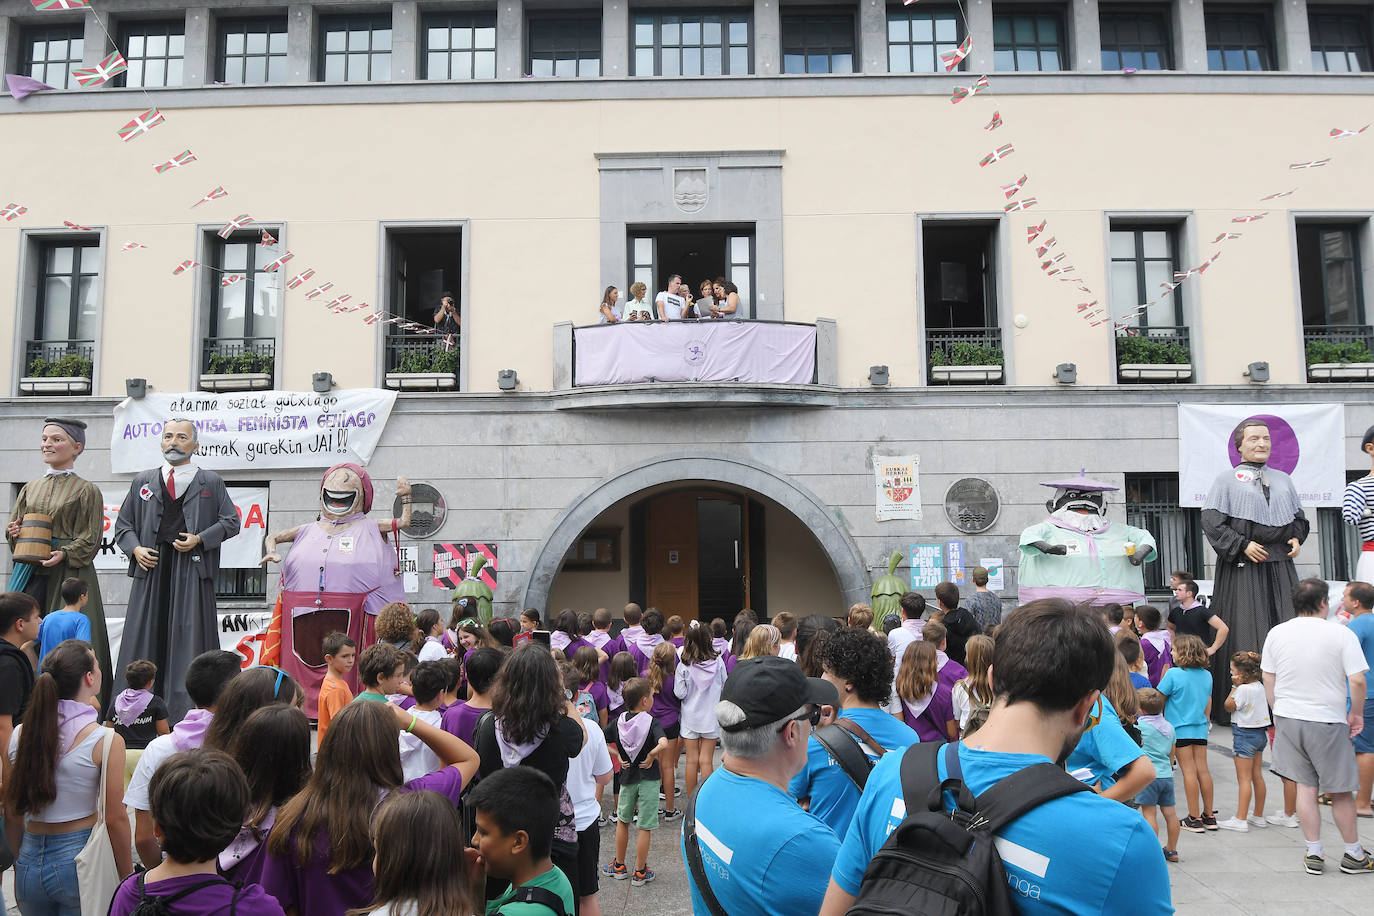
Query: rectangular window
<point x="62" y="344"/>
<point x="243" y="313"/>
<point x="155" y="52"/>
<point x="460" y="46"/>
<point x="917" y="35"/>
<point x="1239" y="39"/>
<point x="818" y="43"/>
<point x="1152" y="504"/>
<point x="704" y="252"/>
<point x="1136" y="39"/>
<point x="356" y="49"/>
<point x="678" y="43"/>
<point x="1143" y="258"/>
<point x="241" y="583"/>
<point x="1340" y="39"/>
<point x="52" y="52"/>
<point x="959" y="263"/>
<point x="1028" y="40"/>
<point x="565" y="46"/>
<point x="642" y="264"/>
<point x="252" y="51"/>
<point x="1329" y="275"/>
<point x="424" y="266"/>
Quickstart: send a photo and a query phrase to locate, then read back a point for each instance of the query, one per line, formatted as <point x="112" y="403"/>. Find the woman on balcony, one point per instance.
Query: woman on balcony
<point x="637" y="309"/>
<point x="611" y="312"/>
<point x="726" y="299"/>
<point x="78" y="517"/>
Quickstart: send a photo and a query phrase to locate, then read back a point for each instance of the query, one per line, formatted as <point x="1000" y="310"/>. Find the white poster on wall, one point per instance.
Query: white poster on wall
<point x="997" y="577"/>
<point x="896" y="478"/>
<point x="1307" y="443"/>
<point x="242" y="632"/>
<point x="242" y="551"/>
<point x="255" y="429"/>
<point x="410" y="569"/>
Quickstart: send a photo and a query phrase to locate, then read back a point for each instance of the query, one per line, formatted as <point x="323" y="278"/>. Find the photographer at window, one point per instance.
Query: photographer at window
<point x="446" y="319"/>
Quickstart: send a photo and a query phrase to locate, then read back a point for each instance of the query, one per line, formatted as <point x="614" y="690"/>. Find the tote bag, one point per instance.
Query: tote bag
<point x="97" y="876"/>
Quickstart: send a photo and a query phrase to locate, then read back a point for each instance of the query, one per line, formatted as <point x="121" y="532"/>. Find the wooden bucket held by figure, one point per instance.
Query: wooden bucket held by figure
<point x="34" y="544"/>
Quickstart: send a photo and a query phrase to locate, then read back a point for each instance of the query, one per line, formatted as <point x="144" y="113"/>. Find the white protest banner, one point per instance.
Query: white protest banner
<point x="241" y="632"/>
<point x="242" y="551"/>
<point x="262" y="429"/>
<point x="1307" y="443"/>
<point x="410" y="569"/>
<point x="997" y="579"/>
<point x="898" y="485"/>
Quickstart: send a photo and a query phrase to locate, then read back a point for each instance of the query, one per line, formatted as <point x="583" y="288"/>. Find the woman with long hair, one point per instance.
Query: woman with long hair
<point x="926" y="703"/>
<point x="320" y="851"/>
<point x="726" y="299"/>
<point x="764" y="639"/>
<point x="812" y="633"/>
<point x="244" y="695"/>
<point x="972" y="696"/>
<point x="610" y="309"/>
<point x="564" y="631"/>
<point x="53" y="786"/>
<point x="416" y="837"/>
<point x="273" y="750"/>
<point x="426" y="646"/>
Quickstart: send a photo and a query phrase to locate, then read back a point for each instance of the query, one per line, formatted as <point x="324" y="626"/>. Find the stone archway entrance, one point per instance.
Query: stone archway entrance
<point x="846" y="562"/>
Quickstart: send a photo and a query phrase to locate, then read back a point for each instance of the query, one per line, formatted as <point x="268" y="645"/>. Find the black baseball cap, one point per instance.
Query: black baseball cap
<point x="769" y="689"/>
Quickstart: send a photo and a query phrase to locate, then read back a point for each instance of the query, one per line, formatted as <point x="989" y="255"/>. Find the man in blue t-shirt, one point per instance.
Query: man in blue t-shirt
<point x="1078" y="854"/>
<point x="68" y="623"/>
<point x="1359" y="599"/>
<point x="762" y="854"/>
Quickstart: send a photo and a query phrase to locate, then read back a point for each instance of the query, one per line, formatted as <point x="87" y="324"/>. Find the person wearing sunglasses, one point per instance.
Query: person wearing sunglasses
<point x="776" y="859"/>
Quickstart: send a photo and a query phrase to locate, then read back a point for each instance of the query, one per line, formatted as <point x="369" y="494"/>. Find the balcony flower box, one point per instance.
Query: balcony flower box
<point x="966" y="374"/>
<point x="1341" y="372"/>
<point x="55" y="384"/>
<point x="967" y="361"/>
<point x="422" y="381"/>
<point x="67" y="373"/>
<point x="1156" y="372"/>
<point x="427" y="367"/>
<point x="236" y="381"/>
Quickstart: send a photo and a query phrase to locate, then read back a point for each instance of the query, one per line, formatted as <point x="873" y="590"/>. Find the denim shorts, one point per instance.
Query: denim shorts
<point x="1160" y="793"/>
<point x="1364" y="741"/>
<point x="1247" y="742"/>
<point x="45" y="873"/>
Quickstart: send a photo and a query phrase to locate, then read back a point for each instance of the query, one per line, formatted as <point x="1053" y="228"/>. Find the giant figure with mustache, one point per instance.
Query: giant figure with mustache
<point x="171" y="525"/>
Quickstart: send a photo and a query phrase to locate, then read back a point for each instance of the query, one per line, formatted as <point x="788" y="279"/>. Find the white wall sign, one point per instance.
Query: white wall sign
<point x="242" y="551"/>
<point x="897" y="482"/>
<point x="1307" y="442"/>
<point x="266" y="429"/>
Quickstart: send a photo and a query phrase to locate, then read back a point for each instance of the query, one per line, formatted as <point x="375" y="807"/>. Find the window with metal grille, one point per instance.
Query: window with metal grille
<point x="1341" y="39"/>
<point x="818" y="43"/>
<point x="564" y="45"/>
<point x="155" y="52"/>
<point x="1152" y="504"/>
<point x="67" y="288"/>
<point x="1028" y="40"/>
<point x="918" y="35"/>
<point x="252" y="51"/>
<point x="52" y="52"/>
<point x="245" y="300"/>
<point x="460" y="46"/>
<point x="356" y="49"/>
<point x="241" y="583"/>
<point x="1239" y="39"/>
<point x="1136" y="39"/>
<point x="691" y="42"/>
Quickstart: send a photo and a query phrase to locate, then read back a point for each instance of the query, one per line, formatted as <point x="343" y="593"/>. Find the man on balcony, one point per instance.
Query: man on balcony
<point x="672" y="304"/>
<point x="446" y="318"/>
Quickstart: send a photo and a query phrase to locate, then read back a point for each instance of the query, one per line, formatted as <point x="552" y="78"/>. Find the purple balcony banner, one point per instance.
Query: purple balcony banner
<point x="694" y="351"/>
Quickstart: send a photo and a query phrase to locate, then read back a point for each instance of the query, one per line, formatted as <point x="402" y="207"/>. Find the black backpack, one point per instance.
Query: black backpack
<point x="939" y="862"/>
<point x="157" y="906"/>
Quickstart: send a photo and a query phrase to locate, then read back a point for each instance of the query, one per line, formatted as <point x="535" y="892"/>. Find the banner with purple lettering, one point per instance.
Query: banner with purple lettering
<point x="254" y="429"/>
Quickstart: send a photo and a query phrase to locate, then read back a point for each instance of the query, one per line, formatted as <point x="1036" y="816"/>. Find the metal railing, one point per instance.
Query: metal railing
<point x="1158" y="345"/>
<point x="422" y="353"/>
<point x="1337" y="342"/>
<point x="59" y="358"/>
<point x="954" y="347"/>
<point x="238" y="355"/>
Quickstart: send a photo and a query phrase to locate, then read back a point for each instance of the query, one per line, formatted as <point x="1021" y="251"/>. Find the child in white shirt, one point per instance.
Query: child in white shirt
<point x="1249" y="709"/>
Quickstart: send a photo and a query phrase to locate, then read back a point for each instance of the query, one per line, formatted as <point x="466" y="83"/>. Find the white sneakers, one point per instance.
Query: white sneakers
<point x="1234" y="823"/>
<point x="1283" y="820"/>
<point x="1256" y="821"/>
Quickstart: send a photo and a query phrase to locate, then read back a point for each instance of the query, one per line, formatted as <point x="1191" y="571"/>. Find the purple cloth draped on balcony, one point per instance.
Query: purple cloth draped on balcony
<point x="690" y="351"/>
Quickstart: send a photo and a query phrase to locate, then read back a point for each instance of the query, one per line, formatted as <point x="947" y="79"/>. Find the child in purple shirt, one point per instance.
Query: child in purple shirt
<point x="198" y="798"/>
<point x="460" y="719"/>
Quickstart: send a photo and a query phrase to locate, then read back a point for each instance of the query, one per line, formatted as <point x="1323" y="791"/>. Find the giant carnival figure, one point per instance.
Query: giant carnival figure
<point x="171" y="525"/>
<point x="338" y="574"/>
<point x="54" y="534"/>
<point x="1255" y="523"/>
<point x="1078" y="554"/>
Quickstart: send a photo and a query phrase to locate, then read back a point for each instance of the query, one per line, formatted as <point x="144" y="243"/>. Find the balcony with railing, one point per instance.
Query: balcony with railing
<point x="964" y="356"/>
<point x="1339" y="352"/>
<point x="238" y="363"/>
<point x="58" y="367"/>
<point x="422" y="362"/>
<point x="1153" y="355"/>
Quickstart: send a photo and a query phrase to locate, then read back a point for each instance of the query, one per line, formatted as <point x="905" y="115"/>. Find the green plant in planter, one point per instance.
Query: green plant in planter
<point x="967" y="353"/>
<point x="1327" y="351"/>
<point x="434" y="359"/>
<point x="238" y="364"/>
<point x="70" y="365"/>
<point x="888" y="590"/>
<point x="1150" y="351"/>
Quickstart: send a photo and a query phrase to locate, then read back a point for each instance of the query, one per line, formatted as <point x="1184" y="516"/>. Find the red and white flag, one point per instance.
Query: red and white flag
<point x="275" y="265"/>
<point x="1314" y="164"/>
<point x="1278" y="195"/>
<point x="1250" y="219"/>
<point x="267" y="239"/>
<point x="319" y="291"/>
<point x="995" y="123"/>
<point x="12" y="212"/>
<point x="141" y="124"/>
<point x="1046" y="265"/>
<point x="1011" y="190"/>
<point x="230" y="279"/>
<point x="183" y="158"/>
<point x="1226" y="237"/>
<point x="1340" y="133"/>
<point x="1169" y="287"/>
<point x="76" y="226"/>
<point x="60" y="4"/>
<point x="1033" y="232"/>
<point x="130" y="246"/>
<point x="337" y="301"/>
<point x="1056" y="271"/>
<point x="962" y="92"/>
<point x="447" y="342"/>
<point x="300" y="278"/>
<point x="235" y="224"/>
<point x="951" y="59"/>
<point x="213" y="194"/>
<point x="113" y="65"/>
<point x="185" y="266"/>
<point x="1024" y="203"/>
<point x="996" y="155"/>
<point x="1216" y="255"/>
<point x="1086" y="306"/>
<point x="1084" y="289"/>
<point x="1044" y="249"/>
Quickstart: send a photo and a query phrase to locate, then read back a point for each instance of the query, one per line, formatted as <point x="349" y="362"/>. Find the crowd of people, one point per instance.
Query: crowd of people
<point x="718" y="298"/>
<point x="516" y="741"/>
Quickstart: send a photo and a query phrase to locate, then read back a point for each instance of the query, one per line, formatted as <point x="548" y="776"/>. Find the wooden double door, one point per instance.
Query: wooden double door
<point x="696" y="556"/>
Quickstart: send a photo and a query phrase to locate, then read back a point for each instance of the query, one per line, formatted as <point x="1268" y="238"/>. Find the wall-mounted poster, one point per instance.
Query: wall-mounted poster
<point x="898" y="485"/>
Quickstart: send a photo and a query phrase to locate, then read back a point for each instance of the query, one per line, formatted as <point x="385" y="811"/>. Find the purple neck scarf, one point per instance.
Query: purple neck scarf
<point x="511" y="752"/>
<point x="1160" y="724"/>
<point x="633" y="729"/>
<point x="190" y="731"/>
<point x="129" y="705"/>
<point x="71" y="718"/>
